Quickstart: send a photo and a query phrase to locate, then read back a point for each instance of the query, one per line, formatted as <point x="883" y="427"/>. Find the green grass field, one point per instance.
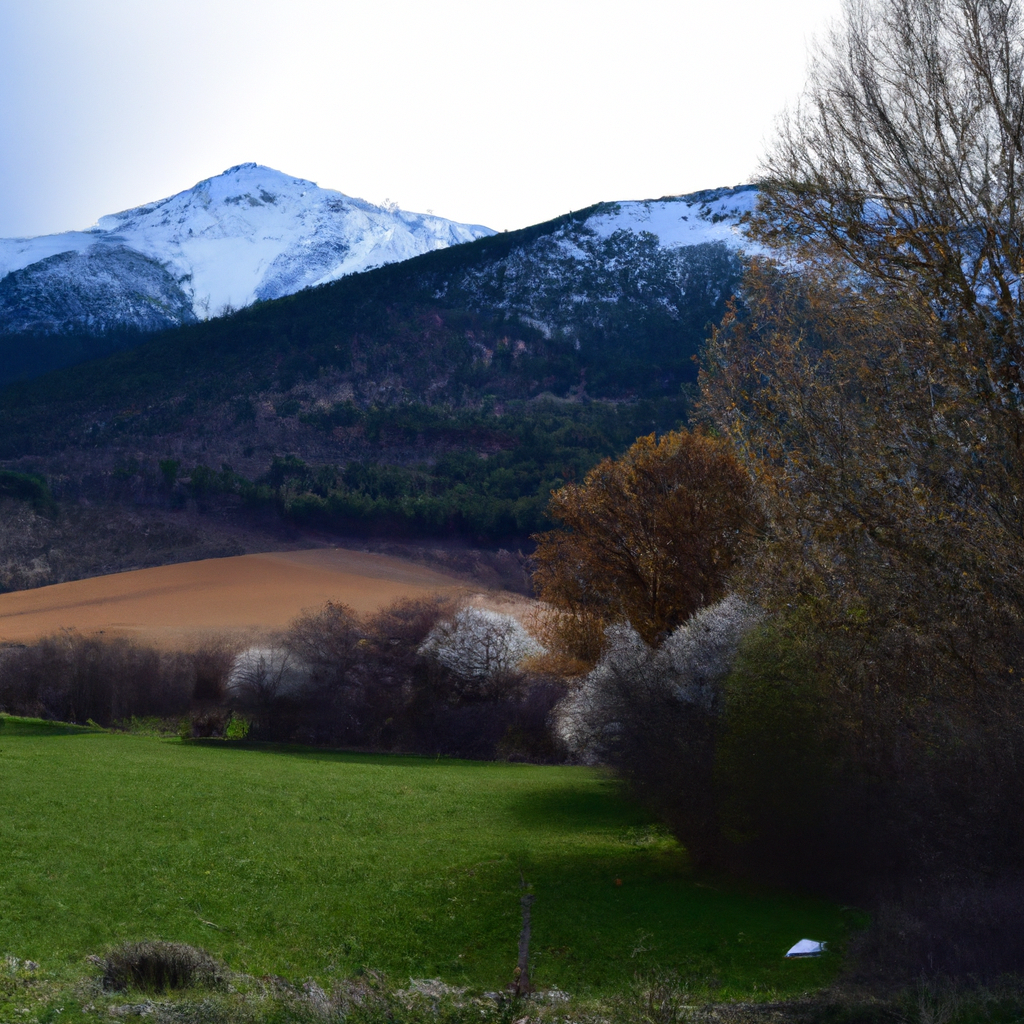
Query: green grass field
<point x="313" y="864"/>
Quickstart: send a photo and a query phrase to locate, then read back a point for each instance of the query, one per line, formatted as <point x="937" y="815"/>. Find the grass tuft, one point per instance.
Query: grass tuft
<point x="159" y="967"/>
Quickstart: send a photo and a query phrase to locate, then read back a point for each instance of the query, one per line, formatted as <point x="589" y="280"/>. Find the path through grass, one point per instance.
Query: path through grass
<point x="307" y="863"/>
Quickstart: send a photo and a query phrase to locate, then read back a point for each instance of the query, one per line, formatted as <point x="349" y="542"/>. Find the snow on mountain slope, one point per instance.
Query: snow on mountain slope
<point x="695" y="219"/>
<point x="251" y="233"/>
<point x="92" y="292"/>
<point x="619" y="269"/>
<point x="254" y="233"/>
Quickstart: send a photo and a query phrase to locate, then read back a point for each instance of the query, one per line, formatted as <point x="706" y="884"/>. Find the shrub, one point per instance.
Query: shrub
<point x="27" y="487"/>
<point x="775" y="762"/>
<point x="267" y="685"/>
<point x="970" y="929"/>
<point x="260" y="676"/>
<point x="689" y="669"/>
<point x="212" y="666"/>
<point x="653" y="714"/>
<point x="481" y="645"/>
<point x="158" y="966"/>
<point x="326" y="640"/>
<point x="463" y="694"/>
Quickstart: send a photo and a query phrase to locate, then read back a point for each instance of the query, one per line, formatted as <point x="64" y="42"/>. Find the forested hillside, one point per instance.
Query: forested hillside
<point x="440" y="397"/>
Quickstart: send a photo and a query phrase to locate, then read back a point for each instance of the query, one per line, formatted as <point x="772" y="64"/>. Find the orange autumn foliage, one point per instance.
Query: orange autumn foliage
<point x="647" y="538"/>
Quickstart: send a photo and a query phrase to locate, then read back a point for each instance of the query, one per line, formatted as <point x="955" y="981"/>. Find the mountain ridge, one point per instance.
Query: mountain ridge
<point x="253" y="234"/>
<point x="248" y="234"/>
<point x="444" y="396"/>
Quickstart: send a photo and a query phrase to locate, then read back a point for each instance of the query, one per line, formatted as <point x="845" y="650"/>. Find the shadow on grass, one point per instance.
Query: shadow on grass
<point x="350" y="756"/>
<point x="571" y="808"/>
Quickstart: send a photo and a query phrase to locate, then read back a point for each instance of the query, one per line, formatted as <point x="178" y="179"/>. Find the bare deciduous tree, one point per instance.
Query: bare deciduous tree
<point x="873" y="375"/>
<point x="871" y="380"/>
<point x="904" y="159"/>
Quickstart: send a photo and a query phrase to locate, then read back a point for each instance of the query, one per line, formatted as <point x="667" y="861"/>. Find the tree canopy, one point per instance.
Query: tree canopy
<point x="648" y="538"/>
<point x="870" y="381"/>
<point x="873" y="371"/>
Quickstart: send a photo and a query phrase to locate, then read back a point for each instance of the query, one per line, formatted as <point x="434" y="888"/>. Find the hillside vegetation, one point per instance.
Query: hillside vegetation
<point x="445" y="396"/>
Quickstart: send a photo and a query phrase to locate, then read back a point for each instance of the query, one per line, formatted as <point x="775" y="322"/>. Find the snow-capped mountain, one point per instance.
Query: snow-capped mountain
<point x="247" y="234"/>
<point x="630" y="285"/>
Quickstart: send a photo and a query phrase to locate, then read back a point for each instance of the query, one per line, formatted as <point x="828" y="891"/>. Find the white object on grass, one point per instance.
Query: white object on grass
<point x="806" y="947"/>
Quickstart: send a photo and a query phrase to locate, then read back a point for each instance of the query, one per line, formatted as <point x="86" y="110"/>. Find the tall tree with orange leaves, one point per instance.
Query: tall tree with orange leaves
<point x="648" y="538"/>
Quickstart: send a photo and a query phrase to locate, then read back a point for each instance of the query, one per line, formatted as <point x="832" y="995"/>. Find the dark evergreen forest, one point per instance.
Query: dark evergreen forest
<point x="445" y="396"/>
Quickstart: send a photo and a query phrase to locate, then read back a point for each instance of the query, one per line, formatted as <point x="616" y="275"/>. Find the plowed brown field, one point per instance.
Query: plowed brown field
<point x="176" y="604"/>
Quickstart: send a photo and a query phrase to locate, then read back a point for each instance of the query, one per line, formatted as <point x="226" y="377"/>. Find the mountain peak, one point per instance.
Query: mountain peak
<point x="253" y="232"/>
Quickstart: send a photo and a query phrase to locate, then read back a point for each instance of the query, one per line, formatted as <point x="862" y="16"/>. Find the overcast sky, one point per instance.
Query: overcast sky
<point x="491" y="112"/>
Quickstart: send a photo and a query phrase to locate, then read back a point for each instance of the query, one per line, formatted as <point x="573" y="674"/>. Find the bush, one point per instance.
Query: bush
<point x="212" y="666"/>
<point x="481" y="645"/>
<point x="263" y="684"/>
<point x="689" y="669"/>
<point x="27" y="487"/>
<point x="653" y="714"/>
<point x="827" y="778"/>
<point x="776" y="765"/>
<point x="326" y="640"/>
<point x="973" y="929"/>
<point x="158" y="966"/>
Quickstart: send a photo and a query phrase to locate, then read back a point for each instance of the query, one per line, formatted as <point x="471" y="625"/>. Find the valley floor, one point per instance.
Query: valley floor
<point x="373" y="889"/>
<point x="322" y="866"/>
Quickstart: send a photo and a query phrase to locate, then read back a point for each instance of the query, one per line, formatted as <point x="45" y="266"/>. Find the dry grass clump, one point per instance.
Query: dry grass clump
<point x="159" y="966"/>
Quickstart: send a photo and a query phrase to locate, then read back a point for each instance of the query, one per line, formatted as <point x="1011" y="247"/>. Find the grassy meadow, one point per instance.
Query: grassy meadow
<point x="312" y="864"/>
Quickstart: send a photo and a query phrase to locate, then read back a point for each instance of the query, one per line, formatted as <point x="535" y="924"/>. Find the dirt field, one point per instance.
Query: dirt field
<point x="178" y="604"/>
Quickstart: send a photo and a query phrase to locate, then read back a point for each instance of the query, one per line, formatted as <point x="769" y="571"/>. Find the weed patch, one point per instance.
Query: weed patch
<point x="159" y="966"/>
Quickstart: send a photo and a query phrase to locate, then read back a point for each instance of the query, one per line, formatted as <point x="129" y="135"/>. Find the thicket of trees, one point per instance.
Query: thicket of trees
<point x="485" y="474"/>
<point x="868" y="380"/>
<point x="653" y="712"/>
<point x="405" y="679"/>
<point x="871" y="382"/>
<point x="74" y="678"/>
<point x="499" y="494"/>
<point x="409" y="469"/>
<point x="419" y="676"/>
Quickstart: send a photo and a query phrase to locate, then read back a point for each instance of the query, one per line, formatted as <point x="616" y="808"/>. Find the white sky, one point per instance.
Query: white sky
<point x="491" y="112"/>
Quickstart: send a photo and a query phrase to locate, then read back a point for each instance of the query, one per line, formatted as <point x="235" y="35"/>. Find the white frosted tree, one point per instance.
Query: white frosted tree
<point x="478" y="644"/>
<point x="688" y="669"/>
<point x="261" y="676"/>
